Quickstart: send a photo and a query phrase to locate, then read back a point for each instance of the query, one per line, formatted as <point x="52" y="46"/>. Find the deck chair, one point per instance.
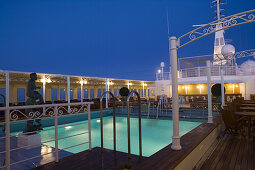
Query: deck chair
<point x="234" y="125"/>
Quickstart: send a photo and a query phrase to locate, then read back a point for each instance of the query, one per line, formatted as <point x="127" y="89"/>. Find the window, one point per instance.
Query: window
<point x="79" y="93"/>
<point x="2" y="92"/>
<point x="115" y="92"/>
<point x="86" y="94"/>
<point x="91" y="93"/>
<point x="21" y="95"/>
<point x="62" y="94"/>
<point x="99" y="93"/>
<point x="54" y="94"/>
<point x="71" y="94"/>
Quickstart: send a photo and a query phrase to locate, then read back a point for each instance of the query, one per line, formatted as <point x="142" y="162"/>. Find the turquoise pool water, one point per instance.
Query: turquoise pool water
<point x="156" y="134"/>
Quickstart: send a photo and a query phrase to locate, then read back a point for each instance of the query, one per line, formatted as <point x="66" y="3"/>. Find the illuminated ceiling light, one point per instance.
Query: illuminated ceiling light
<point x="43" y="80"/>
<point x="200" y="86"/>
<point x="48" y="80"/>
<point x="98" y="121"/>
<point x="236" y="85"/>
<point x="83" y="82"/>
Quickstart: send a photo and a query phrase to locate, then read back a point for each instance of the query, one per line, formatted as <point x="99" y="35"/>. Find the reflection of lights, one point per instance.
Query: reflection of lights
<point x="45" y="149"/>
<point x="68" y="127"/>
<point x="98" y="121"/>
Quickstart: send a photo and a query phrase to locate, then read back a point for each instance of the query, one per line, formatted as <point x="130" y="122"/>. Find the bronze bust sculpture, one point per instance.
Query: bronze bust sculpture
<point x="34" y="98"/>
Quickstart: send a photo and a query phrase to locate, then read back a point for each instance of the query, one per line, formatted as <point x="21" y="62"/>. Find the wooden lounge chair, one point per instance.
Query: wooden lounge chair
<point x="234" y="125"/>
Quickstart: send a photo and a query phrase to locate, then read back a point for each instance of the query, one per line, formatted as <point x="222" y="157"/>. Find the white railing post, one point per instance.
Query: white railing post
<point x="106" y="96"/>
<point x="89" y="127"/>
<point x="56" y="132"/>
<point x="210" y="120"/>
<point x="7" y="139"/>
<point x="222" y="88"/>
<point x="7" y="98"/>
<point x="175" y="112"/>
<point x="68" y="93"/>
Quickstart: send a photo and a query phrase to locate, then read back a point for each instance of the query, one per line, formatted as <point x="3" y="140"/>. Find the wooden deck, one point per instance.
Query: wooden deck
<point x="233" y="153"/>
<point x="94" y="160"/>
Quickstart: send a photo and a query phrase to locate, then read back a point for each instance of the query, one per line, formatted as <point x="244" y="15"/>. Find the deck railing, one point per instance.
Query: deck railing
<point x="16" y="114"/>
<point x="215" y="71"/>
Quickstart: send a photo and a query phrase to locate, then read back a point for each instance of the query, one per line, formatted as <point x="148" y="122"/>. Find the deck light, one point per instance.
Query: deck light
<point x="68" y="127"/>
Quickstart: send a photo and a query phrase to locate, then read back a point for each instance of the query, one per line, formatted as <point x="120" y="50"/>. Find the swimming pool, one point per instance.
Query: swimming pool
<point x="156" y="134"/>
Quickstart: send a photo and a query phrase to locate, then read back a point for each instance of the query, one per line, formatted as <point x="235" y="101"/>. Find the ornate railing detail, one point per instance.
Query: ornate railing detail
<point x="246" y="53"/>
<point x="39" y="111"/>
<point x="222" y="24"/>
<point x="14" y="115"/>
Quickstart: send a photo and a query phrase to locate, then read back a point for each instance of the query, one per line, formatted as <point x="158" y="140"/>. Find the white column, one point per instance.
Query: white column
<point x="106" y="97"/>
<point x="162" y="73"/>
<point x="7" y="90"/>
<point x="143" y="89"/>
<point x="68" y="92"/>
<point x="44" y="89"/>
<point x="175" y="107"/>
<point x="82" y="90"/>
<point x="222" y="87"/>
<point x="210" y="120"/>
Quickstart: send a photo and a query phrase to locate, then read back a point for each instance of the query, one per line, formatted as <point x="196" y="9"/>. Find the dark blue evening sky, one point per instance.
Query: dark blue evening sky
<point x="107" y="38"/>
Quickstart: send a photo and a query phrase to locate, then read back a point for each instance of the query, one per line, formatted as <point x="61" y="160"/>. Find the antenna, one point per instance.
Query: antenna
<point x="167" y="22"/>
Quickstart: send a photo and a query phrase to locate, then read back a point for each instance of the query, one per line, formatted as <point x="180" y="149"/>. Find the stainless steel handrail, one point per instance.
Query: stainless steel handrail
<point x="128" y="123"/>
<point x="114" y="121"/>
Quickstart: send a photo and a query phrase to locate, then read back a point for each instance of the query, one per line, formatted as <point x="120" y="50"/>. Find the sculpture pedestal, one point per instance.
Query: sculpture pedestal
<point x="31" y="140"/>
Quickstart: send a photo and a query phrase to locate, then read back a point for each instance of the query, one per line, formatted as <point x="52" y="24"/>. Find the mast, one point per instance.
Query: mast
<point x="219" y="41"/>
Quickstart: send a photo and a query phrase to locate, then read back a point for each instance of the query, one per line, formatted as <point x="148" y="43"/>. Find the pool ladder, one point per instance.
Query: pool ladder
<point x="128" y="122"/>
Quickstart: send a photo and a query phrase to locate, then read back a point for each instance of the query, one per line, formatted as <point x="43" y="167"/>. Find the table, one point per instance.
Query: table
<point x="248" y="105"/>
<point x="251" y="109"/>
<point x="249" y="114"/>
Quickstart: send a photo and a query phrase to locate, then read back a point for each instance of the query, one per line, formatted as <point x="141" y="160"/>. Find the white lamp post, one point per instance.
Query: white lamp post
<point x="175" y="111"/>
<point x="208" y="63"/>
<point x="162" y="65"/>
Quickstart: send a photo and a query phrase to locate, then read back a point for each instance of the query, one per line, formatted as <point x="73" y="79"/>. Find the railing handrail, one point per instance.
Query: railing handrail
<point x="44" y="105"/>
<point x="140" y="123"/>
<point x="114" y="122"/>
